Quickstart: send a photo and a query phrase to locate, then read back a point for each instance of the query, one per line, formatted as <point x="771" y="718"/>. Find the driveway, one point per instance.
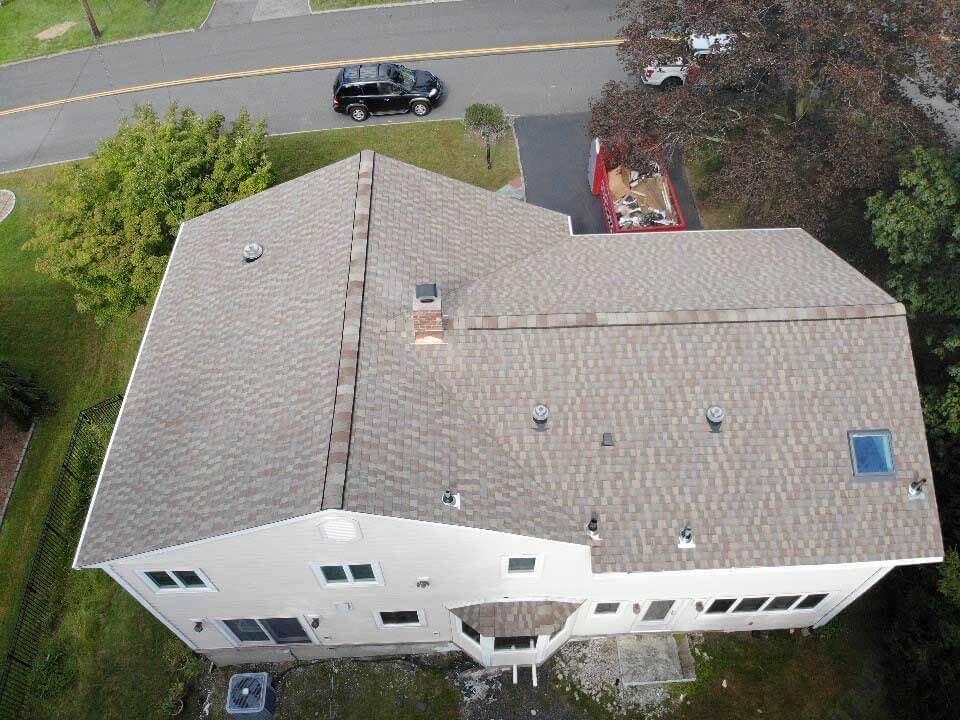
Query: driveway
<point x="553" y="152"/>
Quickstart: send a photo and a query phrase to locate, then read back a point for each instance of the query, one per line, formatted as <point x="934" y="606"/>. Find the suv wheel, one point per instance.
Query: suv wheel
<point x="359" y="113"/>
<point x="671" y="83"/>
<point x="420" y="107"/>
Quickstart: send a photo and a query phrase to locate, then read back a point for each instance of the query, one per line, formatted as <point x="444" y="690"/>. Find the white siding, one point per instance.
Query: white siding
<point x="266" y="573"/>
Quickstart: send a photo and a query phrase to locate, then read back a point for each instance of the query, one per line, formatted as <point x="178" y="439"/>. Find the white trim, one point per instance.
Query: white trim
<point x="123" y="405"/>
<point x="181" y="588"/>
<point x="520" y="574"/>
<point x="421" y="619"/>
<point x="316" y="567"/>
<point x="860" y="590"/>
<point x="150" y="608"/>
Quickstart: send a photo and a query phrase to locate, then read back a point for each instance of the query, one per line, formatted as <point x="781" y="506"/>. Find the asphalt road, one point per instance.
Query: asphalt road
<point x="531" y="83"/>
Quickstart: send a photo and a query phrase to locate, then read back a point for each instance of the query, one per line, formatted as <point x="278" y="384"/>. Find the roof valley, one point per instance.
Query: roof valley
<point x="338" y="449"/>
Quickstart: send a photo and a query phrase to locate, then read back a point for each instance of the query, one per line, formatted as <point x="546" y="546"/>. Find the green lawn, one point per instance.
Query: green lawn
<point x="107" y="655"/>
<point x="21" y="20"/>
<point x="318" y="5"/>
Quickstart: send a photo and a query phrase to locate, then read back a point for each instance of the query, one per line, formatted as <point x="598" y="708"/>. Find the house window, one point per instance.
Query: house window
<point x="606" y="608"/>
<point x="521" y="565"/>
<point x="781" y="602"/>
<point x="872" y="452"/>
<point x="176" y="580"/>
<point x="720" y="606"/>
<point x="750" y="604"/>
<point x="394" y="618"/>
<point x="470" y="632"/>
<point x="282" y="631"/>
<point x="810" y="601"/>
<point x="657" y="610"/>
<point x="518" y="642"/>
<point x="348" y="573"/>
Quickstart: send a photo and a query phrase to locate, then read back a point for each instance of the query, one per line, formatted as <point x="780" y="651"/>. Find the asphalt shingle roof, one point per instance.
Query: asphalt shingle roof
<point x="635" y="335"/>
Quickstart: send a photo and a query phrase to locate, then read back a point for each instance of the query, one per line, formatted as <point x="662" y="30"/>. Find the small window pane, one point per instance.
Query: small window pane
<point x="363" y="573"/>
<point x="658" y="610"/>
<point x="872" y="453"/>
<point x="162" y="579"/>
<point x="521" y="564"/>
<point x="750" y="604"/>
<point x="519" y="642"/>
<point x="782" y="602"/>
<point x="470" y="632"/>
<point x="246" y="630"/>
<point x="334" y="573"/>
<point x="190" y="579"/>
<point x="285" y="630"/>
<point x="607" y="608"/>
<point x="810" y="601"/>
<point x="400" y="617"/>
<point x="721" y="606"/>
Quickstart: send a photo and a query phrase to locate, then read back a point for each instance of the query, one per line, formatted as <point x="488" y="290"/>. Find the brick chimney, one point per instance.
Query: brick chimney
<point x="427" y="315"/>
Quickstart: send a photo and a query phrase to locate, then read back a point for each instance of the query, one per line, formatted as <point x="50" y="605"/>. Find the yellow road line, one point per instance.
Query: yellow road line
<point x="327" y="65"/>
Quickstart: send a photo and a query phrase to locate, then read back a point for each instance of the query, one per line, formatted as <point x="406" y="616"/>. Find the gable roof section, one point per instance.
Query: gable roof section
<point x="227" y="419"/>
<point x="633" y="334"/>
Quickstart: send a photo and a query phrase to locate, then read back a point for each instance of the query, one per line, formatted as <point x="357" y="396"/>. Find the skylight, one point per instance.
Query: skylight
<point x="872" y="452"/>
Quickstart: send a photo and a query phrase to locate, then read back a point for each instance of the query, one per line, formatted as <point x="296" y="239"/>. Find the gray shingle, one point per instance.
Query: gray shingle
<point x="635" y="335"/>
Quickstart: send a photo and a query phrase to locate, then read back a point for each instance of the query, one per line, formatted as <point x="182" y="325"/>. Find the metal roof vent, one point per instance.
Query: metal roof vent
<point x="715" y="416"/>
<point x="252" y="252"/>
<point x="593" y="528"/>
<point x="450" y="498"/>
<point x="607" y="440"/>
<point x="427" y="293"/>
<point x="541" y="413"/>
<point x="251" y="695"/>
<point x="686" y="538"/>
<point x="916" y="488"/>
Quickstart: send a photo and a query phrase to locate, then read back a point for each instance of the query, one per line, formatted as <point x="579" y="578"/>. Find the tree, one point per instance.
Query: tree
<point x="802" y="108"/>
<point x="919" y="228"/>
<point x="21" y="399"/>
<point x="113" y="221"/>
<point x="489" y="122"/>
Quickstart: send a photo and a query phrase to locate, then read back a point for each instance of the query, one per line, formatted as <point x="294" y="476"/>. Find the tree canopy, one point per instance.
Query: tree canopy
<point x="113" y="220"/>
<point x="801" y="108"/>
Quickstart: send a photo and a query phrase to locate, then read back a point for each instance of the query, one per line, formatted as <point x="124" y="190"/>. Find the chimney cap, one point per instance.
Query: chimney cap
<point x="427" y="292"/>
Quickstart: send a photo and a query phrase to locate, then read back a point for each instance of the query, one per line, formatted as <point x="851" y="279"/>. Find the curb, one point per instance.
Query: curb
<point x="379" y="6"/>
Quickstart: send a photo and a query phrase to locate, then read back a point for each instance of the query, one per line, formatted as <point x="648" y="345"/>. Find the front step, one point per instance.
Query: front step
<point x="654" y="659"/>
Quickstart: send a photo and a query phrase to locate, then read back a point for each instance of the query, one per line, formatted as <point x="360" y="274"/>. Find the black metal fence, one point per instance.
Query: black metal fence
<point x="54" y="552"/>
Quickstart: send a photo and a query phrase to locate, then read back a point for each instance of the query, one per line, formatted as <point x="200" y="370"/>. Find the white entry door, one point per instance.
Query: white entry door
<point x="656" y="615"/>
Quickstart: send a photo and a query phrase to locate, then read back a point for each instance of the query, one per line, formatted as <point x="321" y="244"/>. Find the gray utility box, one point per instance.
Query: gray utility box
<point x="251" y="697"/>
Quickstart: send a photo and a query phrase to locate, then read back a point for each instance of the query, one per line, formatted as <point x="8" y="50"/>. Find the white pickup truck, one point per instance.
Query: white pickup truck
<point x="671" y="75"/>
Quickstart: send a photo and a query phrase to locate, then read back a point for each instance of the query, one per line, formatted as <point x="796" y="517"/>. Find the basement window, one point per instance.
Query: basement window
<point x="606" y="608"/>
<point x="401" y="618"/>
<point x="720" y="606"/>
<point x="872" y="453"/>
<point x="176" y="580"/>
<point x="750" y="604"/>
<point x="781" y="602"/>
<point x="810" y="601"/>
<point x="278" y="630"/>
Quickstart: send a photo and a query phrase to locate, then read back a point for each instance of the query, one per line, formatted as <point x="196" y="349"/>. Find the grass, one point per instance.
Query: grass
<point x="106" y="657"/>
<point x="319" y="5"/>
<point x="703" y="174"/>
<point x="21" y="20"/>
<point x="438" y="146"/>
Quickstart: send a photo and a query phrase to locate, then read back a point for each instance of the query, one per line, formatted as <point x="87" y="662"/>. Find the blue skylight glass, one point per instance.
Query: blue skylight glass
<point x="872" y="452"/>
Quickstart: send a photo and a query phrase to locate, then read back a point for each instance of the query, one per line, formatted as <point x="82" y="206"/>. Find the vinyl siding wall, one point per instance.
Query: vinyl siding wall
<point x="266" y="573"/>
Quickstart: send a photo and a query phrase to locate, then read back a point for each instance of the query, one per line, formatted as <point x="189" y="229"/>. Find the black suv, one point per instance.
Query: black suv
<point x="385" y="89"/>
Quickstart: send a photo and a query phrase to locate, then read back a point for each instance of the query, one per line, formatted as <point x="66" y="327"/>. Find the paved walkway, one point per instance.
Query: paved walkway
<point x="241" y="12"/>
<point x="7" y="202"/>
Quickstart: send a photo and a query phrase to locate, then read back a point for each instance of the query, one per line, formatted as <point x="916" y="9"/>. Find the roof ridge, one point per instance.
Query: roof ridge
<point x="338" y="448"/>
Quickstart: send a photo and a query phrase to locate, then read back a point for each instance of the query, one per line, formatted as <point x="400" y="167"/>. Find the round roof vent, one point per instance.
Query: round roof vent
<point x="715" y="415"/>
<point x="541" y="413"/>
<point x="252" y="251"/>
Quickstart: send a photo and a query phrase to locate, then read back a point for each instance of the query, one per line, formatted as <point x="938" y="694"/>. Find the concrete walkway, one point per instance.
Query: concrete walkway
<point x="241" y="12"/>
